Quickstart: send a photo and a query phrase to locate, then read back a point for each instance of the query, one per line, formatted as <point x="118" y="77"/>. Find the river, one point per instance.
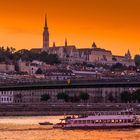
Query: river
<point x="27" y="128"/>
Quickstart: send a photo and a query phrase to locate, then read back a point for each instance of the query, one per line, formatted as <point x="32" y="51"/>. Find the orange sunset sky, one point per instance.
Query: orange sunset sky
<point x="112" y="24"/>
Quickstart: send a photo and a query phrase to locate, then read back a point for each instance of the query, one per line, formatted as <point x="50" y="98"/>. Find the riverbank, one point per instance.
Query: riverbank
<point x="61" y="109"/>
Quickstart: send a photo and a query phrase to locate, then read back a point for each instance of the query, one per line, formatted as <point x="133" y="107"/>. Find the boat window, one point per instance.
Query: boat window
<point x="116" y="121"/>
<point x="88" y="121"/>
<point x="93" y="121"/>
<point x="75" y="122"/>
<point x="124" y="121"/>
<point x="100" y="121"/>
<point x="84" y="121"/>
<point x="69" y="122"/>
<point x="112" y="121"/>
<point x="97" y="121"/>
<point x="80" y="121"/>
<point x="120" y="121"/>
<point x="108" y="121"/>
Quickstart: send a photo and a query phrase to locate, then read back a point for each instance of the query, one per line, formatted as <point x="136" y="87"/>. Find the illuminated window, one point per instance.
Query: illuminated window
<point x="112" y="121"/>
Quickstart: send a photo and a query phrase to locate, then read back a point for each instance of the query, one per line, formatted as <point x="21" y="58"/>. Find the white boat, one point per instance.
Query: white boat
<point x="99" y="121"/>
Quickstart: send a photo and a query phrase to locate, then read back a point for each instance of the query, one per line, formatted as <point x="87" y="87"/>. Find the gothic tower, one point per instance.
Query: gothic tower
<point x="45" y="36"/>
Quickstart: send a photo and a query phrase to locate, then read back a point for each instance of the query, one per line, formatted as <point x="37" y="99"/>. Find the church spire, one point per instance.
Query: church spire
<point x="94" y="45"/>
<point x="54" y="44"/>
<point x="66" y="42"/>
<point x="128" y="55"/>
<point x="45" y="36"/>
<point x="46" y="25"/>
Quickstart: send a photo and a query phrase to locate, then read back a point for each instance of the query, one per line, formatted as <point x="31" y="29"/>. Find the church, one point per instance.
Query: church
<point x="70" y="54"/>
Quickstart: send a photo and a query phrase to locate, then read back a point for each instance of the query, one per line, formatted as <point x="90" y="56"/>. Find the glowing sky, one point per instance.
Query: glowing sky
<point x="112" y="24"/>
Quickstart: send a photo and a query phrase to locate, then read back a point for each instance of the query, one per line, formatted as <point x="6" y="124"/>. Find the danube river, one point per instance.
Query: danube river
<point x="27" y="128"/>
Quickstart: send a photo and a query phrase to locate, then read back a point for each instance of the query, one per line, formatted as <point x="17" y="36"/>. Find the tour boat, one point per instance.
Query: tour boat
<point x="99" y="121"/>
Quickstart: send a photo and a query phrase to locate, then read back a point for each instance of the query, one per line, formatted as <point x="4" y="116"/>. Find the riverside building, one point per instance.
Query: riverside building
<point x="33" y="96"/>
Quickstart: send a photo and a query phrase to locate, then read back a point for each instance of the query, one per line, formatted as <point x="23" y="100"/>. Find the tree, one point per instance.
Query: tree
<point x="75" y="99"/>
<point x="63" y="96"/>
<point x="137" y="60"/>
<point x="136" y="95"/>
<point x="118" y="66"/>
<point x="110" y="98"/>
<point x="45" y="97"/>
<point x="84" y="96"/>
<point x="126" y="97"/>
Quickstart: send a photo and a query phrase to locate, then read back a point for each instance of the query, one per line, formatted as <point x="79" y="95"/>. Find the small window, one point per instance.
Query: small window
<point x="97" y="121"/>
<point x="112" y="121"/>
<point x="120" y="121"/>
<point x="84" y="121"/>
<point x="75" y="122"/>
<point x="108" y="121"/>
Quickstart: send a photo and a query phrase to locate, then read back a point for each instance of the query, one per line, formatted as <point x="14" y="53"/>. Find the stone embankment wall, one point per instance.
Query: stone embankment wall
<point x="38" y="110"/>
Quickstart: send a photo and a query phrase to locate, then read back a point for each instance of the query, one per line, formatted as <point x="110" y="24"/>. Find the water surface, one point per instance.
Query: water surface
<point x="27" y="128"/>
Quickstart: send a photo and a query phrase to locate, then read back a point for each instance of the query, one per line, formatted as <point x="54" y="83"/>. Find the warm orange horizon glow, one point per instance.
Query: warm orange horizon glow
<point x="112" y="24"/>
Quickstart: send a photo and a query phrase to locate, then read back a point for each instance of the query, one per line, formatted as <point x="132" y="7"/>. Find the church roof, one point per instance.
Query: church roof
<point x="36" y="50"/>
<point x="69" y="47"/>
<point x="100" y="49"/>
<point x="118" y="56"/>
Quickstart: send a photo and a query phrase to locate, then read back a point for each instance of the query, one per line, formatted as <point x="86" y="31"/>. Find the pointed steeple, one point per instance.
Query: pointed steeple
<point x="128" y="52"/>
<point x="45" y="36"/>
<point x="94" y="45"/>
<point x="54" y="44"/>
<point x="128" y="55"/>
<point x="66" y="42"/>
<point x="46" y="25"/>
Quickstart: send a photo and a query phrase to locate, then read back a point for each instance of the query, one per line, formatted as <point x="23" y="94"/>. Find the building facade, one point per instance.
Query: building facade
<point x="70" y="54"/>
<point x="33" y="96"/>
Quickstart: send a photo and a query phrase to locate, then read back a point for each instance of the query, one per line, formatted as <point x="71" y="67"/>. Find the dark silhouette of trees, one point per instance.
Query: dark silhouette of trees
<point x="75" y="99"/>
<point x="118" y="67"/>
<point x="110" y="98"/>
<point x="10" y="54"/>
<point x="137" y="60"/>
<point x="63" y="96"/>
<point x="126" y="97"/>
<point x="6" y="54"/>
<point x="45" y="97"/>
<point x="84" y="96"/>
<point x="136" y="96"/>
<point x="130" y="97"/>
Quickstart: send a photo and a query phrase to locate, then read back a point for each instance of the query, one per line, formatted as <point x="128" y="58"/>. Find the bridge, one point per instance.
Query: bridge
<point x="72" y="84"/>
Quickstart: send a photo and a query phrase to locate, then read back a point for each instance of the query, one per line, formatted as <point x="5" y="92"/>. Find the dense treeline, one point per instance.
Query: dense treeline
<point x="127" y="96"/>
<point x="9" y="54"/>
<point x="84" y="96"/>
<point x="137" y="60"/>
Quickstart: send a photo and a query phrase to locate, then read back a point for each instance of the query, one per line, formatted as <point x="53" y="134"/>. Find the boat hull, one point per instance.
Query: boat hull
<point x="101" y="127"/>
